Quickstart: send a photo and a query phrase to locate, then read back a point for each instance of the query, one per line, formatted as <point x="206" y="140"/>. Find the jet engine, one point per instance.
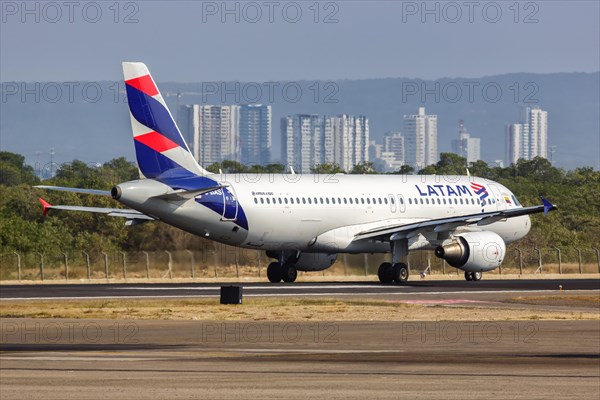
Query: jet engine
<point x="315" y="261"/>
<point x="474" y="251"/>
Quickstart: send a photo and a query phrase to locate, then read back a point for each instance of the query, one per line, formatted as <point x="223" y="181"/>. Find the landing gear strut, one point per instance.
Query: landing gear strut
<point x="473" y="276"/>
<point x="277" y="272"/>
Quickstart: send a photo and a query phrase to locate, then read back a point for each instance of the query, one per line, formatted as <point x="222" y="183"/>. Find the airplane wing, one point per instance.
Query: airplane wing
<point x="399" y="231"/>
<point x="133" y="217"/>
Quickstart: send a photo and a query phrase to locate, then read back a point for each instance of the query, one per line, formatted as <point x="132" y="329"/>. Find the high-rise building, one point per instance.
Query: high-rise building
<point x="529" y="138"/>
<point x="538" y="131"/>
<point x="420" y="135"/>
<point x="308" y="140"/>
<point x="392" y="151"/>
<point x="185" y="122"/>
<point x="215" y="133"/>
<point x="255" y="134"/>
<point x="466" y="146"/>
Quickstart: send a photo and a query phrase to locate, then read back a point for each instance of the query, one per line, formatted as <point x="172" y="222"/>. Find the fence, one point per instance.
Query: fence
<point x="220" y="261"/>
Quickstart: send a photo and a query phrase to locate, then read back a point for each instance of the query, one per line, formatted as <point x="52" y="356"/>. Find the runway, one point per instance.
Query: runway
<point x="298" y="289"/>
<point x="89" y="359"/>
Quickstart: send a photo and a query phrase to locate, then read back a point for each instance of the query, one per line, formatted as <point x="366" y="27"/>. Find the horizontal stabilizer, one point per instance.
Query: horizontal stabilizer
<point x="111" y="212"/>
<point x="75" y="190"/>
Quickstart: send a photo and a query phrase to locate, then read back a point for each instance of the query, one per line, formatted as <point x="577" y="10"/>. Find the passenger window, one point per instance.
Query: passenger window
<point x="309" y="201"/>
<point x="255" y="200"/>
<point x="291" y="200"/>
<point x="345" y="202"/>
<point x="422" y="201"/>
<point x="409" y="200"/>
<point x="268" y="201"/>
<point x="362" y="200"/>
<point x="333" y="200"/>
<point x="262" y="201"/>
<point x="385" y="200"/>
<point x="327" y="200"/>
<point x="401" y="200"/>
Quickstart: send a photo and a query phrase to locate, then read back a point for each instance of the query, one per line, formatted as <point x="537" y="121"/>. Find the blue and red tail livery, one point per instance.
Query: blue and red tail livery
<point x="159" y="145"/>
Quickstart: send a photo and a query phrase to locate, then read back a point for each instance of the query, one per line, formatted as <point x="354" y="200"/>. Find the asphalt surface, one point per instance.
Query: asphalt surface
<point x="298" y="289"/>
<point x="91" y="359"/>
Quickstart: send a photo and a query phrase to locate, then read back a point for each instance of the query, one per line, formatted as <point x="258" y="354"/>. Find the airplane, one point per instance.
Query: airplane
<point x="303" y="221"/>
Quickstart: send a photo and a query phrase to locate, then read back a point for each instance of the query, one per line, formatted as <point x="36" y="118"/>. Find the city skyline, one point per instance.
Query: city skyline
<point x="224" y="131"/>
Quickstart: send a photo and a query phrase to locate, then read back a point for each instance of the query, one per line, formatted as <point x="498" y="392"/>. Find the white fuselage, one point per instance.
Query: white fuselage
<point x="323" y="213"/>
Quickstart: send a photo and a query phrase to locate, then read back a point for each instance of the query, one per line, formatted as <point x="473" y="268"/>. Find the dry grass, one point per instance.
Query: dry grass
<point x="273" y="310"/>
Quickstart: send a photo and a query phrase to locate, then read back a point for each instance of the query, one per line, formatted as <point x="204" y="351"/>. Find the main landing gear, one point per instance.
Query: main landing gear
<point x="396" y="271"/>
<point x="277" y="272"/>
<point x="473" y="276"/>
<point x="389" y="273"/>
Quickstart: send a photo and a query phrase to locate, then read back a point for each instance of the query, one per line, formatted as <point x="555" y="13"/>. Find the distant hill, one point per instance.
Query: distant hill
<point x="93" y="123"/>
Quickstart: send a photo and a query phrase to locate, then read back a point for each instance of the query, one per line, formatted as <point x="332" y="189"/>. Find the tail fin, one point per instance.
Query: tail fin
<point x="159" y="146"/>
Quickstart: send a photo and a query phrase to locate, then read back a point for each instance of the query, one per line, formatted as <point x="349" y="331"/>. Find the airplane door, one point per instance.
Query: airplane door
<point x="495" y="197"/>
<point x="401" y="204"/>
<point x="230" y="204"/>
<point x="392" y="203"/>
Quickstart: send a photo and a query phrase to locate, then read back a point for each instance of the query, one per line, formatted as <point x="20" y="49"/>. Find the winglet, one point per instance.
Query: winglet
<point x="45" y="206"/>
<point x="548" y="206"/>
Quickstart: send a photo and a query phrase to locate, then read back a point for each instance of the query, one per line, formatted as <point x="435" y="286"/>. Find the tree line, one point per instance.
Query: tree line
<point x="23" y="229"/>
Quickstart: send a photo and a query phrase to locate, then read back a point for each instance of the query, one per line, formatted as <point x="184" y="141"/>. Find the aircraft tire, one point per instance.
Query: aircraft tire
<point x="289" y="273"/>
<point x="400" y="273"/>
<point x="477" y="275"/>
<point x="385" y="273"/>
<point x="274" y="272"/>
<point x="468" y="276"/>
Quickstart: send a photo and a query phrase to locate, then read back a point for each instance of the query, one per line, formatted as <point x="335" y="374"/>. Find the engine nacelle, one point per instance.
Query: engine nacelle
<point x="315" y="261"/>
<point x="474" y="251"/>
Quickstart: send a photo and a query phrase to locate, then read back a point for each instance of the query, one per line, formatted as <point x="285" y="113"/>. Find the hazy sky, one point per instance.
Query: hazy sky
<point x="276" y="40"/>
